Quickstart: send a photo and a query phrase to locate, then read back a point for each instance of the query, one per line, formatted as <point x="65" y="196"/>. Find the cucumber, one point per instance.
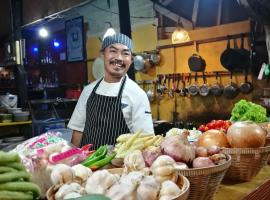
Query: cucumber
<point x="21" y="186"/>
<point x="15" y="165"/>
<point x="4" y="169"/>
<point x="14" y="176"/>
<point x="7" y="157"/>
<point x="11" y="195"/>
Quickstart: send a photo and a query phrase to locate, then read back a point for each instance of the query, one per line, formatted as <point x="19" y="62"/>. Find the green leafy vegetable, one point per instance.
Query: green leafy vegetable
<point x="245" y="110"/>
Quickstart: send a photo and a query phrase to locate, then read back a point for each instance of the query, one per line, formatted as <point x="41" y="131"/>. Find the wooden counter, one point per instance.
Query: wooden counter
<point x="236" y="191"/>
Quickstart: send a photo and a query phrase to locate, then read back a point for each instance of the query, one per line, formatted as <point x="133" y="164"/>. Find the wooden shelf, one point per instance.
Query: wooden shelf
<point x="15" y="123"/>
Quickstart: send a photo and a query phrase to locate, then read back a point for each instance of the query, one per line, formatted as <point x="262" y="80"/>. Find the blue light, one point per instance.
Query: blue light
<point x="56" y="44"/>
<point x="35" y="49"/>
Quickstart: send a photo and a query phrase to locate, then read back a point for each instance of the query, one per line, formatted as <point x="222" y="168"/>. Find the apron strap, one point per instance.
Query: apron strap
<point x="96" y="86"/>
<point x="119" y="96"/>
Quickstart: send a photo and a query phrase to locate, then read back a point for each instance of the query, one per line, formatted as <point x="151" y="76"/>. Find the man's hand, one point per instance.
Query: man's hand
<point x="76" y="138"/>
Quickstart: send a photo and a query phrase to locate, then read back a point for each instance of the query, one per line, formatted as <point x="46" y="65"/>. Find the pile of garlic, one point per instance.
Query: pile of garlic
<point x="135" y="183"/>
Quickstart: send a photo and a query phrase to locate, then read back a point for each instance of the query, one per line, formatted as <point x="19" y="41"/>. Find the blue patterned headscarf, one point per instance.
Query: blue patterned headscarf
<point x="117" y="38"/>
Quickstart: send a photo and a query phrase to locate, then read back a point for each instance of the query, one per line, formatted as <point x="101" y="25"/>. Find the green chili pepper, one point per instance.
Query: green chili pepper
<point x="96" y="158"/>
<point x="99" y="151"/>
<point x="101" y="163"/>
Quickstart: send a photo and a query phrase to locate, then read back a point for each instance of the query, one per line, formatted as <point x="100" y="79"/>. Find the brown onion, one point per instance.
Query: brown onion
<point x="213" y="137"/>
<point x="246" y="134"/>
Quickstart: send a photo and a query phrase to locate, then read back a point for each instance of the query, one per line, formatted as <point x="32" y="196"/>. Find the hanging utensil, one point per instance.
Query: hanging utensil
<point x="184" y="90"/>
<point x="178" y="77"/>
<point x="195" y="62"/>
<point x="231" y="90"/>
<point x="194" y="89"/>
<point x="216" y="89"/>
<point x="247" y="86"/>
<point x="204" y="89"/>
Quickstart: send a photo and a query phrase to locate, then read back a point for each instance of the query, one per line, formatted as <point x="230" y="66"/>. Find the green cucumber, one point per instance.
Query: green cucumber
<point x="15" y="165"/>
<point x="14" y="176"/>
<point x="11" y="195"/>
<point x="4" y="169"/>
<point x="21" y="186"/>
<point x="7" y="157"/>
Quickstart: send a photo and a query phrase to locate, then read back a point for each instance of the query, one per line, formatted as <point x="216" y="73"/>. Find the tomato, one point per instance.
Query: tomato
<point x="201" y="128"/>
<point x="220" y="123"/>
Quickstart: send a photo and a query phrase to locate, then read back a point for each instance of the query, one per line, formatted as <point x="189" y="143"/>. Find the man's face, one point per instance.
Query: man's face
<point x="117" y="60"/>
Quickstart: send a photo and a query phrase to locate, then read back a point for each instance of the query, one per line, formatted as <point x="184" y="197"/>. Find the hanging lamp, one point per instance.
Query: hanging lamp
<point x="180" y="35"/>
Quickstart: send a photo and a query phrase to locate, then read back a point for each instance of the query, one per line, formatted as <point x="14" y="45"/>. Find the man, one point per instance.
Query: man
<point x="113" y="105"/>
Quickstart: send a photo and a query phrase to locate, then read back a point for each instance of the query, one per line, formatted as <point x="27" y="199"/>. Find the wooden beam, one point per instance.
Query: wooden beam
<point x="219" y="14"/>
<point x="173" y="16"/>
<point x="195" y="12"/>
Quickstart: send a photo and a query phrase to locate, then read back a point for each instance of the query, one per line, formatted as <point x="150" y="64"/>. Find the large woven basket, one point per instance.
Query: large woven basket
<point x="204" y="182"/>
<point x="182" y="182"/>
<point x="246" y="162"/>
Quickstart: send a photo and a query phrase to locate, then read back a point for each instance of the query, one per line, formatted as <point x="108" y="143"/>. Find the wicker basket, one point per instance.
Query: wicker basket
<point x="246" y="162"/>
<point x="182" y="182"/>
<point x="204" y="182"/>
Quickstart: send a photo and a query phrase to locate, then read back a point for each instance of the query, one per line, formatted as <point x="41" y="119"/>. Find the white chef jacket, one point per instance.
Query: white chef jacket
<point x="135" y="105"/>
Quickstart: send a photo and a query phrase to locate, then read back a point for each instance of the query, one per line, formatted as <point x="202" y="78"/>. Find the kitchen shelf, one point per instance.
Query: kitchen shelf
<point x="15" y="123"/>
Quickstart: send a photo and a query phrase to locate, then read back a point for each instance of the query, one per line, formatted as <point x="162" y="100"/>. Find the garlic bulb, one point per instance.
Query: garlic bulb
<point x="82" y="173"/>
<point x="134" y="161"/>
<point x="67" y="189"/>
<point x="72" y="195"/>
<point x="99" y="182"/>
<point x="62" y="173"/>
<point x="132" y="178"/>
<point x="169" y="190"/>
<point x="122" y="192"/>
<point x="148" y="189"/>
<point x="163" y="168"/>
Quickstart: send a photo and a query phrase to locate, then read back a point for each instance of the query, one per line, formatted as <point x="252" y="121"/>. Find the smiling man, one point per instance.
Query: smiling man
<point x="113" y="105"/>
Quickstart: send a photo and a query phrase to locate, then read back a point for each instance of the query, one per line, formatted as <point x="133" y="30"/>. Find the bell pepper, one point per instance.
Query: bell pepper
<point x="101" y="163"/>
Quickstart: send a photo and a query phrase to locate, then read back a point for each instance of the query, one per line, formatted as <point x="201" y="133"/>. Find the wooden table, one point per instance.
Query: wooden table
<point x="236" y="191"/>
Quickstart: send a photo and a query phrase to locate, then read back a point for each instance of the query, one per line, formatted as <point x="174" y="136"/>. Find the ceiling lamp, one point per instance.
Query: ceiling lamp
<point x="180" y="35"/>
<point x="110" y="30"/>
<point x="43" y="32"/>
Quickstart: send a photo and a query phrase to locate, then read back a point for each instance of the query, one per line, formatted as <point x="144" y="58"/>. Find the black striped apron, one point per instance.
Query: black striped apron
<point x="104" y="118"/>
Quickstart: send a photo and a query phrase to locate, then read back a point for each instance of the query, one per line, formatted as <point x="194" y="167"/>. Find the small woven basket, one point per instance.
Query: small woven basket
<point x="246" y="162"/>
<point x="204" y="182"/>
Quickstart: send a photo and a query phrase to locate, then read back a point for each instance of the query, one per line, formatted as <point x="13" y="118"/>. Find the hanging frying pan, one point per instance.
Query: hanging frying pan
<point x="216" y="89"/>
<point x="245" y="55"/>
<point x="231" y="90"/>
<point x="195" y="62"/>
<point x="228" y="57"/>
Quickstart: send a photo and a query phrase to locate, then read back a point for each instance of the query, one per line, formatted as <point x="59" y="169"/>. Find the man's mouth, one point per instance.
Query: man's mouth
<point x="117" y="63"/>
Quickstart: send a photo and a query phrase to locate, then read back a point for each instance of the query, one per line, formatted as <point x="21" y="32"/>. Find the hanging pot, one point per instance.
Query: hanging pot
<point x="245" y="55"/>
<point x="247" y="86"/>
<point x="194" y="89"/>
<point x="141" y="63"/>
<point x="231" y="90"/>
<point x="216" y="89"/>
<point x="204" y="89"/>
<point x="154" y="59"/>
<point x="195" y="62"/>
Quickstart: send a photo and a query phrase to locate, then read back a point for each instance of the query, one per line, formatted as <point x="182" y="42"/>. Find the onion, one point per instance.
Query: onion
<point x="213" y="137"/>
<point x="202" y="162"/>
<point x="201" y="152"/>
<point x="246" y="134"/>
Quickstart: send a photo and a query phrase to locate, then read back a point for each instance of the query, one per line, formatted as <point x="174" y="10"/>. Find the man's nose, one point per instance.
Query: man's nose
<point x="119" y="56"/>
